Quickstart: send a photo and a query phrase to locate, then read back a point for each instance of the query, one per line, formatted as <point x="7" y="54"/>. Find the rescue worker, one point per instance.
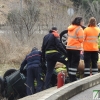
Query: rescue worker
<point x="74" y="46"/>
<point x="34" y="70"/>
<point x="53" y="51"/>
<point x="90" y="47"/>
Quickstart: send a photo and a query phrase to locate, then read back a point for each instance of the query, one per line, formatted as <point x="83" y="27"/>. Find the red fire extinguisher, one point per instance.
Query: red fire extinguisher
<point x="60" y="79"/>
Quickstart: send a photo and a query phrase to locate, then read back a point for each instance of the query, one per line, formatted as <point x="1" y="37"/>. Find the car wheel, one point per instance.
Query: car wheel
<point x="64" y="37"/>
<point x="9" y="72"/>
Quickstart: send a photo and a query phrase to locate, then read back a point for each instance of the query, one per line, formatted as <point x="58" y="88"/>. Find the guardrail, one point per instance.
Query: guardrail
<point x="67" y="91"/>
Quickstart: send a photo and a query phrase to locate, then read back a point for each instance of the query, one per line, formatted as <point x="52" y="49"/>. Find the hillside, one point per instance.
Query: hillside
<point x="13" y="45"/>
<point x="7" y="5"/>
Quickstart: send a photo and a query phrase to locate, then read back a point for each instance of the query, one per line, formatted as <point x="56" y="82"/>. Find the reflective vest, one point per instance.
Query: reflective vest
<point x="51" y="51"/>
<point x="75" y="37"/>
<point x="91" y="39"/>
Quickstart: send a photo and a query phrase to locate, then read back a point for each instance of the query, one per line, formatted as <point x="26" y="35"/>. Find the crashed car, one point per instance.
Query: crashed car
<point x="13" y="84"/>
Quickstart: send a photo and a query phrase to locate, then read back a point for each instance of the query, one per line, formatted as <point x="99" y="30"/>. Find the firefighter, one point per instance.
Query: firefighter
<point x="33" y="61"/>
<point x="90" y="47"/>
<point x="74" y="46"/>
<point x="53" y="51"/>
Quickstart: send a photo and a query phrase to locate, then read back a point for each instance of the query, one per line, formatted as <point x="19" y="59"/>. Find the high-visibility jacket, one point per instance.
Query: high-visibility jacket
<point x="91" y="39"/>
<point x="75" y="37"/>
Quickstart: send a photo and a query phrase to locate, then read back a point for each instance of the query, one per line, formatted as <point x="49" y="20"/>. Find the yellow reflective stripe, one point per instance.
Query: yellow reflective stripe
<point x="94" y="69"/>
<point x="80" y="36"/>
<point x="92" y="36"/>
<point x="70" y="47"/>
<point x="95" y="41"/>
<point x="75" y="34"/>
<point x="87" y="69"/>
<point x="51" y="51"/>
<point x="72" y="36"/>
<point x="87" y="73"/>
<point x="91" y="39"/>
<point x="72" y="73"/>
<point x="77" y="30"/>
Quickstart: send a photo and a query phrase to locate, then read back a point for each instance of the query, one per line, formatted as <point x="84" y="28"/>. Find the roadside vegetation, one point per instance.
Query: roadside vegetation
<point x="28" y="22"/>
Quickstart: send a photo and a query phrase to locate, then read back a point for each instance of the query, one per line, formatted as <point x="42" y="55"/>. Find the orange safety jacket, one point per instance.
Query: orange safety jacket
<point x="91" y="39"/>
<point x="75" y="37"/>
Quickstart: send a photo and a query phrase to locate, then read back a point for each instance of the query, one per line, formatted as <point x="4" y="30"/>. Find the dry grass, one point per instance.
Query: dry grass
<point x="5" y="67"/>
<point x="12" y="52"/>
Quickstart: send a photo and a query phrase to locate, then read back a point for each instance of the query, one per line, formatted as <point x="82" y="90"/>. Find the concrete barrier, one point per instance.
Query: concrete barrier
<point x="67" y="91"/>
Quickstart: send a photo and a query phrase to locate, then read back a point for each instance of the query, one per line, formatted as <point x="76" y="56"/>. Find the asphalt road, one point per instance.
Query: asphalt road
<point x="87" y="94"/>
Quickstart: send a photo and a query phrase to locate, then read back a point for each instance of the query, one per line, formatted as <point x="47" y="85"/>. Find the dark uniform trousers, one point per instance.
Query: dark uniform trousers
<point x="32" y="74"/>
<point x="90" y="60"/>
<point x="52" y="58"/>
<point x="73" y="62"/>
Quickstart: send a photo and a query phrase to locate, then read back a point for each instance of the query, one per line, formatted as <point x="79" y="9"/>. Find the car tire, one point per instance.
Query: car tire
<point x="63" y="37"/>
<point x="9" y="72"/>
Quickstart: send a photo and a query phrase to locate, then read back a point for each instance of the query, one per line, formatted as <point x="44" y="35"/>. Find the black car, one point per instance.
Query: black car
<point x="13" y="85"/>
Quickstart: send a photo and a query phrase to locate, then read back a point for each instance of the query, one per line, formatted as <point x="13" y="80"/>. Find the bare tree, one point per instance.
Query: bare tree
<point x="56" y="14"/>
<point x="35" y="18"/>
<point x="95" y="9"/>
<point x="30" y="17"/>
<point x="23" y="23"/>
<point x="15" y="22"/>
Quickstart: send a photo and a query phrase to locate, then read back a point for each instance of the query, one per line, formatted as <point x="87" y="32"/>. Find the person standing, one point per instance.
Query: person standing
<point x="74" y="46"/>
<point x="33" y="69"/>
<point x="90" y="47"/>
<point x="53" y="51"/>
